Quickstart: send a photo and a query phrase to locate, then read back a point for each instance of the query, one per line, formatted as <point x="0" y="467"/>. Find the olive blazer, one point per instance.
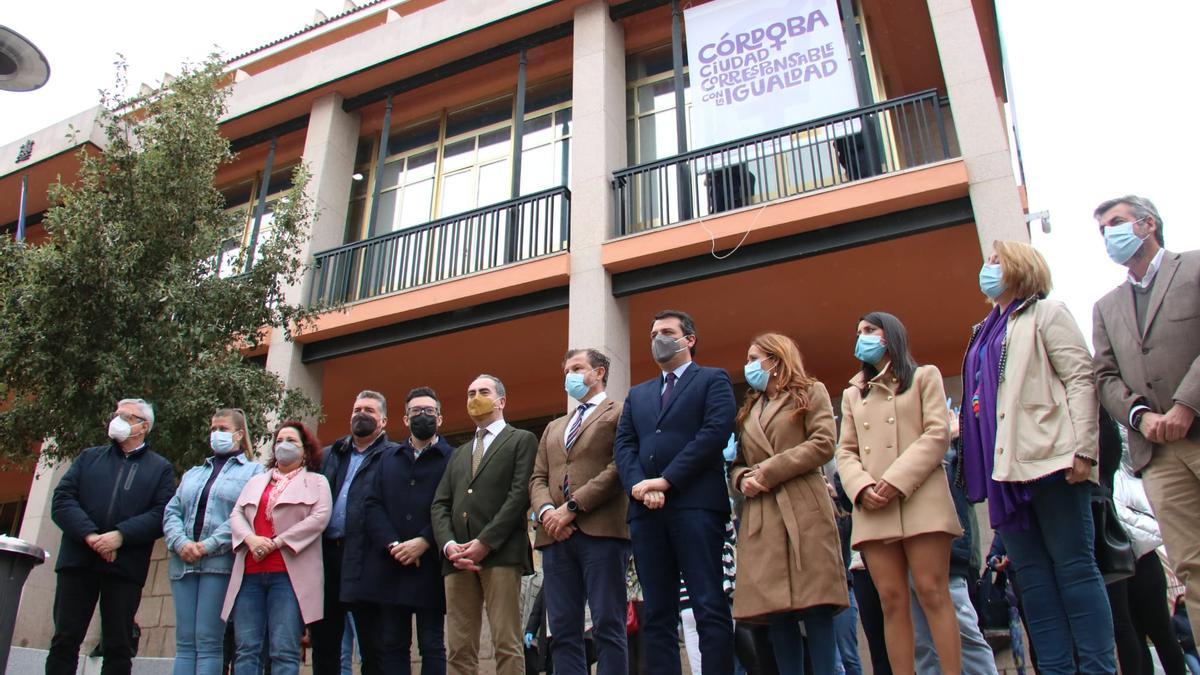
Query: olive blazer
<point x="900" y="438"/>
<point x="789" y="553"/>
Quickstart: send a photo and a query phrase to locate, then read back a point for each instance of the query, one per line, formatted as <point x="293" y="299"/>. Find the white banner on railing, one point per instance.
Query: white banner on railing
<point x="758" y="65"/>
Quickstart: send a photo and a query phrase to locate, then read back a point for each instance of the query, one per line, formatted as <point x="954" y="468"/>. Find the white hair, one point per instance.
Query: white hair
<point x="145" y="410"/>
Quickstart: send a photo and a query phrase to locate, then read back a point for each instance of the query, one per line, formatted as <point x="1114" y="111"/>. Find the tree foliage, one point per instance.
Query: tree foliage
<point x="124" y="300"/>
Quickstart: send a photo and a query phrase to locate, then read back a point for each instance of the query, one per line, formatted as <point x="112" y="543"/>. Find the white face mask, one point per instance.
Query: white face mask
<point x="119" y="430"/>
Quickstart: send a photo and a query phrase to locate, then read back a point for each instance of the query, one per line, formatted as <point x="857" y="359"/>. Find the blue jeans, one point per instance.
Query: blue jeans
<point x="788" y="644"/>
<point x="845" y="628"/>
<point x="1061" y="587"/>
<point x="349" y="637"/>
<point x="266" y="610"/>
<point x="977" y="656"/>
<point x="1193" y="662"/>
<point x="199" y="629"/>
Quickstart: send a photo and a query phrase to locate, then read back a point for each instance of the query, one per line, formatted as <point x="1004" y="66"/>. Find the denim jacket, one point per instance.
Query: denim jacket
<point x="179" y="519"/>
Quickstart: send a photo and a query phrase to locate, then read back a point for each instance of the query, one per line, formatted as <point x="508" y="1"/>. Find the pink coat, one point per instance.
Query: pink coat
<point x="300" y="516"/>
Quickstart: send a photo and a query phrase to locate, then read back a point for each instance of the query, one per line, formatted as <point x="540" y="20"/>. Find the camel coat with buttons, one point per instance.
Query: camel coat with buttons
<point x="900" y="438"/>
<point x="788" y="550"/>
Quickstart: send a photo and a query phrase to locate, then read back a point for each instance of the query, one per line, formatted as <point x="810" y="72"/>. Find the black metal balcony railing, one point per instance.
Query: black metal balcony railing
<point x="519" y="229"/>
<point x="878" y="139"/>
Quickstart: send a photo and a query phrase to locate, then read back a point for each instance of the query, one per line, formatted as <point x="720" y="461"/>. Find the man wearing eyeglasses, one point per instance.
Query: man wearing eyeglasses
<point x="349" y="464"/>
<point x="1147" y="338"/>
<point x="109" y="505"/>
<point x="401" y="567"/>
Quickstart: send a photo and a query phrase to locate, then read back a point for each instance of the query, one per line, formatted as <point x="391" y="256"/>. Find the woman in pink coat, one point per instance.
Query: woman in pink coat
<point x="277" y="584"/>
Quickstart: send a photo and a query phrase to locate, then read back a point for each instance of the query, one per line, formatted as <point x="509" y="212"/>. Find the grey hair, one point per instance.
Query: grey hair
<point x="145" y="410"/>
<point x="1141" y="207"/>
<point x="374" y="396"/>
<point x="495" y="380"/>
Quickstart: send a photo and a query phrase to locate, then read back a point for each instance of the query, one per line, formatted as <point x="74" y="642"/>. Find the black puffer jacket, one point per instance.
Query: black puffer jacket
<point x="106" y="490"/>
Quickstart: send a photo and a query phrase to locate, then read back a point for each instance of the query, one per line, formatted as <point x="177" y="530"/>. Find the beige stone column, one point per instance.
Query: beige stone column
<point x="35" y="624"/>
<point x="329" y="149"/>
<point x="982" y="134"/>
<point x="597" y="319"/>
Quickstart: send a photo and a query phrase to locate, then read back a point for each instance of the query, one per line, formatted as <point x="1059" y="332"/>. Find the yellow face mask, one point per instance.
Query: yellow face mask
<point x="480" y="406"/>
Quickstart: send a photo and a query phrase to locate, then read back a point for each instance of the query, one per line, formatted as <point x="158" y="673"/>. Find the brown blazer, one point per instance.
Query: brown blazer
<point x="788" y="550"/>
<point x="901" y="439"/>
<point x="1160" y="365"/>
<point x="595" y="484"/>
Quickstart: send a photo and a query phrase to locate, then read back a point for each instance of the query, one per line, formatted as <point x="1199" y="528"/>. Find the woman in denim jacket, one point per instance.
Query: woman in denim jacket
<point x="198" y="538"/>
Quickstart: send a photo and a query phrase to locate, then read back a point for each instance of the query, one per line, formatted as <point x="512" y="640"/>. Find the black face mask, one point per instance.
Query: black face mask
<point x="363" y="425"/>
<point x="423" y="426"/>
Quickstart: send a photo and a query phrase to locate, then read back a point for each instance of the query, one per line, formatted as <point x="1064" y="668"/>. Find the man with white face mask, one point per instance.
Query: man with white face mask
<point x="1147" y="338"/>
<point x="109" y="505"/>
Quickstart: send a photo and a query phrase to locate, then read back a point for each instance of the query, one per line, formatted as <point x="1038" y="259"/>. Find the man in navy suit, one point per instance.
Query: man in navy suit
<point x="669" y="451"/>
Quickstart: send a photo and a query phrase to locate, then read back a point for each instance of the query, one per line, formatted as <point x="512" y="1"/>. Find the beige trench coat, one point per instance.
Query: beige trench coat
<point x="788" y="551"/>
<point x="901" y="439"/>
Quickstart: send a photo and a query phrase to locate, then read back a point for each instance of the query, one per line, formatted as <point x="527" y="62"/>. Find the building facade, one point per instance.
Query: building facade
<point x="496" y="181"/>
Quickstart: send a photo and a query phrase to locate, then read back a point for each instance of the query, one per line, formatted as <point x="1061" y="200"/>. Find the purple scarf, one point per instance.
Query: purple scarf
<point x="1008" y="503"/>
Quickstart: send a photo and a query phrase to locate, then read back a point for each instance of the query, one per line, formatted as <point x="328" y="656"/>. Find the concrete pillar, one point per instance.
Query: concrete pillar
<point x="597" y="319"/>
<point x="329" y="149"/>
<point x="982" y="135"/>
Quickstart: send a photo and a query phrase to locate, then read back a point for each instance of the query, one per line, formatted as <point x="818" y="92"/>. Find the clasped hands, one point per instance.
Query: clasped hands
<point x="192" y="551"/>
<point x="409" y="552"/>
<point x="260" y="547"/>
<point x="105" y="545"/>
<point x="1168" y="428"/>
<point x="751" y="485"/>
<point x="557" y="522"/>
<point x="652" y="492"/>
<point x="878" y="496"/>
<point x="467" y="556"/>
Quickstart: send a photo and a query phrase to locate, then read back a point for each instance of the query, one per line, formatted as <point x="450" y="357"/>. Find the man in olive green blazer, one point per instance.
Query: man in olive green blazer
<point x="479" y="520"/>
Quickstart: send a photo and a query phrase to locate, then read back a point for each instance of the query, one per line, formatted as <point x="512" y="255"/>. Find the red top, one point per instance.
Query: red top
<point x="264" y="528"/>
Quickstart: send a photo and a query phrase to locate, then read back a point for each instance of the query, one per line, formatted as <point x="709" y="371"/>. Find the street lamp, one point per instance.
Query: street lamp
<point x="23" y="67"/>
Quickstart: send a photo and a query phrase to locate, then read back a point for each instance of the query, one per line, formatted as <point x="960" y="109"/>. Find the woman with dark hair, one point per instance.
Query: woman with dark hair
<point x="278" y="579"/>
<point x="790" y="561"/>
<point x="1030" y="446"/>
<point x="894" y="435"/>
<point x="197" y="533"/>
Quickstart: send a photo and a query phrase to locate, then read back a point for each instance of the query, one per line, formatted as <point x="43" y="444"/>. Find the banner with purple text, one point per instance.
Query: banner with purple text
<point x="759" y="65"/>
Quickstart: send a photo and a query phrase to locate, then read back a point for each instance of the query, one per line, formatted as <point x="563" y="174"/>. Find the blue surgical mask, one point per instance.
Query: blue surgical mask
<point x="221" y="442"/>
<point x="991" y="281"/>
<point x="575" y="386"/>
<point x="1121" y="241"/>
<point x="869" y="349"/>
<point x="756" y="377"/>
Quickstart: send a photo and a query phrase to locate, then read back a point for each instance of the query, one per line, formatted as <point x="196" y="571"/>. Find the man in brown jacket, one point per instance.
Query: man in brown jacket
<point x="1147" y="340"/>
<point x="576" y="493"/>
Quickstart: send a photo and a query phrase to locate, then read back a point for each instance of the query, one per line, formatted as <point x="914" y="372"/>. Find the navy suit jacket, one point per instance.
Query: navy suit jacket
<point x="683" y="443"/>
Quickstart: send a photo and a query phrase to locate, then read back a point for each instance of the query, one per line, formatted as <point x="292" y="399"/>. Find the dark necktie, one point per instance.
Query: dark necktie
<point x="668" y="390"/>
<point x="576" y="424"/>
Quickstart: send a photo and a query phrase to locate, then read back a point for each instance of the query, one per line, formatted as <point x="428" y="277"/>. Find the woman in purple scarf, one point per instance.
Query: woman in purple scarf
<point x="1030" y="442"/>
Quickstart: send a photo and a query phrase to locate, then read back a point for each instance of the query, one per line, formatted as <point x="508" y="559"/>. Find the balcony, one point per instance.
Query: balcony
<point x="875" y="140"/>
<point x="517" y="230"/>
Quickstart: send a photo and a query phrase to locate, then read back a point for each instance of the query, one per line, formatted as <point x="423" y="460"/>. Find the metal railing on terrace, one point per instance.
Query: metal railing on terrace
<point x="879" y="139"/>
<point x="519" y="229"/>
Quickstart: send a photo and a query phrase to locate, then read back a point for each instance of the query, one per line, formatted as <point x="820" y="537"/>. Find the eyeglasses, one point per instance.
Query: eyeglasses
<point x="128" y="417"/>
<point x="426" y="410"/>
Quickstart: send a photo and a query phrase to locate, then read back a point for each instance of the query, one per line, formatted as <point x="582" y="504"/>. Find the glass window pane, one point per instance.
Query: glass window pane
<point x="539" y="131"/>
<point x="546" y="94"/>
<point x="390" y="176"/>
<point x="537" y="169"/>
<point x="656" y="96"/>
<point x="416" y="136"/>
<point x="494" y="183"/>
<point x="650" y="62"/>
<point x="421" y="167"/>
<point x="631" y="143"/>
<point x="358" y="188"/>
<point x="656" y="136"/>
<point x="495" y="144"/>
<point x="479" y="116"/>
<point x="562" y="122"/>
<point x="458" y="155"/>
<point x="458" y="194"/>
<point x="418" y="200"/>
<point x="354" y="218"/>
<point x="562" y="162"/>
<point x="385" y="213"/>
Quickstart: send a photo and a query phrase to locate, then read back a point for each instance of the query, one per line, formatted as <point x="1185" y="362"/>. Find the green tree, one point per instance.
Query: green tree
<point x="124" y="299"/>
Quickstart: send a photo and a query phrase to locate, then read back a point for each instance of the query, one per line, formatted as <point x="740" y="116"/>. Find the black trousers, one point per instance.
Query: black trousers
<point x="327" y="633"/>
<point x="1139" y="612"/>
<point x="870" y="613"/>
<point x="74" y="601"/>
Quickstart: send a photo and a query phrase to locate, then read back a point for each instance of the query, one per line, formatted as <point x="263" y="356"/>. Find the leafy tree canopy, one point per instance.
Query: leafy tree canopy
<point x="124" y="299"/>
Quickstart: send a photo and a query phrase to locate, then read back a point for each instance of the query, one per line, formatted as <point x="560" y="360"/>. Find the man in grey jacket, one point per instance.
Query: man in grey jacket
<point x="1147" y="339"/>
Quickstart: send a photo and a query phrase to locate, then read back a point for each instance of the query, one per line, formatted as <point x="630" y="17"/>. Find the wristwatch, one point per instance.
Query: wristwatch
<point x="572" y="505"/>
